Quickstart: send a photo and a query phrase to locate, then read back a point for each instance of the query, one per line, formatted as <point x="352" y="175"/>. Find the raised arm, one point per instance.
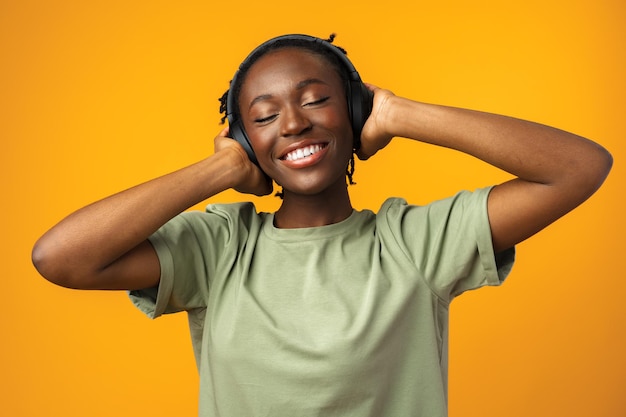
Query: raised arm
<point x="556" y="170"/>
<point x="104" y="245"/>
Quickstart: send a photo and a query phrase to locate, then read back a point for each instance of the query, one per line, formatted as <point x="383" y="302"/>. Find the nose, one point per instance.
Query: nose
<point x="294" y="122"/>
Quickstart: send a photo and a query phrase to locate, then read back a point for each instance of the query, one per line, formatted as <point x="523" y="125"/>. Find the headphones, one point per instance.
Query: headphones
<point x="359" y="98"/>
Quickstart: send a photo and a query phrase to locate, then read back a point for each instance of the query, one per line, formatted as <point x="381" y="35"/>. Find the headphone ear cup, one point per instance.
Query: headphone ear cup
<point x="238" y="133"/>
<point x="360" y="102"/>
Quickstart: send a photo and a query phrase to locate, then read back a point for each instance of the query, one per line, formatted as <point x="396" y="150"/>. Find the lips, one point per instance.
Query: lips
<point x="303" y="152"/>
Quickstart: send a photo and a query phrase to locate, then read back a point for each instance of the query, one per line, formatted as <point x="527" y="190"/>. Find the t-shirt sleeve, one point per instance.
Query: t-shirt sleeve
<point x="449" y="242"/>
<point x="189" y="248"/>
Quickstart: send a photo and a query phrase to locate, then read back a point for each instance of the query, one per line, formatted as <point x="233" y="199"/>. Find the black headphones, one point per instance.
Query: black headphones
<point x="359" y="98"/>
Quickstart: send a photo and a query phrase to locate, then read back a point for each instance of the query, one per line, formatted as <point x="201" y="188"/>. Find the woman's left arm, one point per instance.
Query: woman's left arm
<point x="555" y="170"/>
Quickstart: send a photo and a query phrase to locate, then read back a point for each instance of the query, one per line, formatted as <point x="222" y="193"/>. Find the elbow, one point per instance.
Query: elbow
<point x="598" y="167"/>
<point x="582" y="175"/>
<point x="608" y="162"/>
<point x="50" y="264"/>
<point x="587" y="174"/>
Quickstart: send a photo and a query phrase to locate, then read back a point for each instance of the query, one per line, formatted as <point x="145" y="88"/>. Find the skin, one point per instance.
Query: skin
<point x="104" y="245"/>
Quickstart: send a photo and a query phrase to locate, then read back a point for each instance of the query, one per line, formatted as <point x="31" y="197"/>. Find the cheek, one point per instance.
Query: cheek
<point x="260" y="139"/>
<point x="340" y="123"/>
<point x="335" y="119"/>
<point x="262" y="142"/>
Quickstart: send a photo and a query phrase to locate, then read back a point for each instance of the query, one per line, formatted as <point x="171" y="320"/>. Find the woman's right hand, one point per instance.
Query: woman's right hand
<point x="248" y="178"/>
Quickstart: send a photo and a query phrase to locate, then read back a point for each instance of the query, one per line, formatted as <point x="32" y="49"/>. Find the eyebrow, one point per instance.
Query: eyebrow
<point x="299" y="86"/>
<point x="309" y="81"/>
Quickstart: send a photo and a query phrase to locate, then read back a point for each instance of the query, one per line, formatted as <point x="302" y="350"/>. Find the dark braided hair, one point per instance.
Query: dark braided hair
<point x="312" y="47"/>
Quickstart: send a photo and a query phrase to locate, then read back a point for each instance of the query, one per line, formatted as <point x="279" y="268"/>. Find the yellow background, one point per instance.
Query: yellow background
<point x="96" y="96"/>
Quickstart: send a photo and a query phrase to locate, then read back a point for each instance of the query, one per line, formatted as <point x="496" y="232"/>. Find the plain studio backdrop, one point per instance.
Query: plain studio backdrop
<point x="98" y="96"/>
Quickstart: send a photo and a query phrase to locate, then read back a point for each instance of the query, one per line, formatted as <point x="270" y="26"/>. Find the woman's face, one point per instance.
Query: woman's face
<point x="293" y="107"/>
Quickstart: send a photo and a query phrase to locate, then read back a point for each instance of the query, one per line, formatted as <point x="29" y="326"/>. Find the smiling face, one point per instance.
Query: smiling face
<point x="294" y="110"/>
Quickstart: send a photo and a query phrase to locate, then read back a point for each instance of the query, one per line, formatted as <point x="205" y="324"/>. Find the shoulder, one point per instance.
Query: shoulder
<point x="219" y="222"/>
<point x="226" y="213"/>
<point x="237" y="212"/>
<point x="450" y="225"/>
<point x="463" y="203"/>
<point x="448" y="240"/>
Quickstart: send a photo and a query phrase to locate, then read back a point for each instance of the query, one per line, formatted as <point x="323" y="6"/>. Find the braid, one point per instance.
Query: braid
<point x="223" y="100"/>
<point x="350" y="170"/>
<point x="331" y="38"/>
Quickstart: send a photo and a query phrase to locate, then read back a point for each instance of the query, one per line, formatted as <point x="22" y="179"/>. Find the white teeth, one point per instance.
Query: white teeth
<point x="303" y="152"/>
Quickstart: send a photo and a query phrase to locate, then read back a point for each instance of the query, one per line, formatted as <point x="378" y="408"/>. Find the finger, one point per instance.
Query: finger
<point x="224" y="132"/>
<point x="371" y="87"/>
<point x="362" y="155"/>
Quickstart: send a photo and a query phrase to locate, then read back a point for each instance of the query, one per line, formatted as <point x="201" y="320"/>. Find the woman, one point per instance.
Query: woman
<point x="318" y="309"/>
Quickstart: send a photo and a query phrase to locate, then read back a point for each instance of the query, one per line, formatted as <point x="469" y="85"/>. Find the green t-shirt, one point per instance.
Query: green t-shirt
<point x="349" y="319"/>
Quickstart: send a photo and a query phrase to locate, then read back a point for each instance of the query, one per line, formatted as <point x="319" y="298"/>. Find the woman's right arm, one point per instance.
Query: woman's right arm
<point x="105" y="244"/>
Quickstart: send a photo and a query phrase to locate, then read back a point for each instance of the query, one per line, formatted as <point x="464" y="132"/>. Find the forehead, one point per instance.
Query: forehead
<point x="284" y="65"/>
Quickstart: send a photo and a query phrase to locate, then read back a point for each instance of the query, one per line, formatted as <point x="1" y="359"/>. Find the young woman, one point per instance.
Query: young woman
<point x="319" y="309"/>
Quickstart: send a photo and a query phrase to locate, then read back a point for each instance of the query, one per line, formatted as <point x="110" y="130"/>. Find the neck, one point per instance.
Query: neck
<point x="298" y="211"/>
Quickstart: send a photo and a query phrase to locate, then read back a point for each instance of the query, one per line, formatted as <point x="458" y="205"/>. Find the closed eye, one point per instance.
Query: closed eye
<point x="265" y="119"/>
<point x="317" y="102"/>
